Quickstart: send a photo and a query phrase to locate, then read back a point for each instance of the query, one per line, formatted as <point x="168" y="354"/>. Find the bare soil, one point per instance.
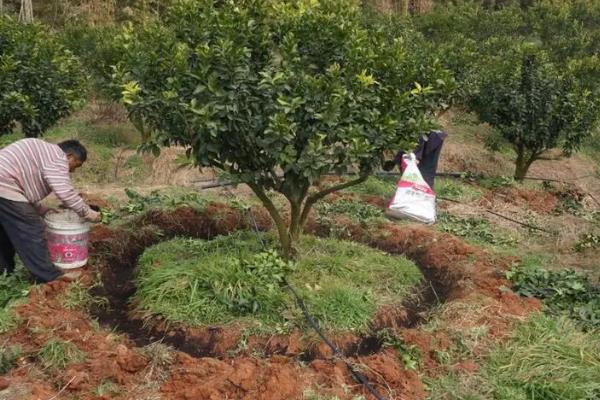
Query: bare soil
<point x="204" y="366"/>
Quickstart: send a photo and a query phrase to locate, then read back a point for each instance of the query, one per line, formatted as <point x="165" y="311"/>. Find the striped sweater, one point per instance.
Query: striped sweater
<point x="30" y="169"/>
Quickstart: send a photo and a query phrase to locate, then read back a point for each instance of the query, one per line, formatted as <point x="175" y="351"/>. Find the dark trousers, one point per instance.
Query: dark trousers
<point x="22" y="231"/>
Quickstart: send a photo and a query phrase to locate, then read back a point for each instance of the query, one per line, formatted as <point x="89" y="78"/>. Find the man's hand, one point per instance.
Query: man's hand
<point x="94" y="216"/>
<point x="43" y="210"/>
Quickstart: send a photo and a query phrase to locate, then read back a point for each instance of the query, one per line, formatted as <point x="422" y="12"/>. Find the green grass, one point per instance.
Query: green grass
<point x="546" y="359"/>
<point x="78" y="297"/>
<point x="375" y="186"/>
<point x="8" y="357"/>
<point x="57" y="354"/>
<point x="14" y="288"/>
<point x="107" y="388"/>
<point x="233" y="279"/>
<point x="456" y="190"/>
<point x="356" y="210"/>
<point x="475" y="230"/>
<point x="103" y="142"/>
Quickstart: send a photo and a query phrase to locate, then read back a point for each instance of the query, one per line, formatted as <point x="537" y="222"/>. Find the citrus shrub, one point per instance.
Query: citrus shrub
<point x="40" y="81"/>
<point x="277" y="94"/>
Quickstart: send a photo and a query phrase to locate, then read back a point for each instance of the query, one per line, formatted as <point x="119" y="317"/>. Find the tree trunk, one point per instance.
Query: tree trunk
<point x="300" y="206"/>
<point x="522" y="164"/>
<point x="26" y="12"/>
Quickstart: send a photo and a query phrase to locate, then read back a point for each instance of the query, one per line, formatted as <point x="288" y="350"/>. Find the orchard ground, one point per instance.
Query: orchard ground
<point x="167" y="309"/>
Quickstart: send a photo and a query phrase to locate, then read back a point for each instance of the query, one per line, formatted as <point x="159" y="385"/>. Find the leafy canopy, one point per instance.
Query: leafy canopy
<point x="40" y="81"/>
<point x="279" y="94"/>
<point x="534" y="105"/>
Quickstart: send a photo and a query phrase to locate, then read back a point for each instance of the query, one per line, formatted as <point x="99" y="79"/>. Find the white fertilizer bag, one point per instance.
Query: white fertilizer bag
<point x="414" y="198"/>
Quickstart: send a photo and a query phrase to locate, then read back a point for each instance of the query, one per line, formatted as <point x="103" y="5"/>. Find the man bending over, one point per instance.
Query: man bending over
<point x="30" y="169"/>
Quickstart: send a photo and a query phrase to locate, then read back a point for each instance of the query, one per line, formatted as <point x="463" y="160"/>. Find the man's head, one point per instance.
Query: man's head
<point x="76" y="153"/>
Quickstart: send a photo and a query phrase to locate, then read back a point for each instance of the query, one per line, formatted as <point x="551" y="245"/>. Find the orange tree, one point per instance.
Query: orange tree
<point x="534" y="105"/>
<point x="279" y="94"/>
<point x="40" y="81"/>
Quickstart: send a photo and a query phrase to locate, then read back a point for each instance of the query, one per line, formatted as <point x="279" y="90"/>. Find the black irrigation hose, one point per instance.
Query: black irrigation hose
<point x="360" y="378"/>
<point x="216" y="184"/>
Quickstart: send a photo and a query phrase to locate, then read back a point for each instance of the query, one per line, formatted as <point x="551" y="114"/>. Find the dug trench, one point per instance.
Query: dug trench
<point x="117" y="252"/>
<point x="457" y="273"/>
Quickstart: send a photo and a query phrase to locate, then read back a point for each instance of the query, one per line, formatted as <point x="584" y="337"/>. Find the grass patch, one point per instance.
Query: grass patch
<point x="139" y="204"/>
<point x="354" y="209"/>
<point x="5" y="140"/>
<point x="13" y="289"/>
<point x="497" y="182"/>
<point x="57" y="354"/>
<point x="102" y="142"/>
<point x="474" y="229"/>
<point x="545" y="359"/>
<point x="8" y="357"/>
<point x="374" y="186"/>
<point x="107" y="388"/>
<point x="234" y="278"/>
<point x="311" y="394"/>
<point x="14" y="286"/>
<point x="78" y="297"/>
<point x="456" y="190"/>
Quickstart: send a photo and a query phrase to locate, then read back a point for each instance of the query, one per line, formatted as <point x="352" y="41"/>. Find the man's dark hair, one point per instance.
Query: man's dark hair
<point x="74" y="148"/>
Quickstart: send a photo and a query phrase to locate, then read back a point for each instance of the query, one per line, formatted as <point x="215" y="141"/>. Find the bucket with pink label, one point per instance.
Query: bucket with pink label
<point x="68" y="238"/>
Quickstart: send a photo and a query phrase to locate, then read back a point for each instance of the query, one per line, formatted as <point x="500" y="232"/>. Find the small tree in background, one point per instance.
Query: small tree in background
<point x="280" y="94"/>
<point x="534" y="105"/>
<point x="40" y="81"/>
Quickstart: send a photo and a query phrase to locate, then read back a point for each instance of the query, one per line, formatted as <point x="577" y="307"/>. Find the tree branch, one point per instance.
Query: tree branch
<point x="311" y="200"/>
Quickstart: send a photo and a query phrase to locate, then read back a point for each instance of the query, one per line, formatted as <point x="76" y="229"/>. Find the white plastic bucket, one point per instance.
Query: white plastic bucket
<point x="68" y="237"/>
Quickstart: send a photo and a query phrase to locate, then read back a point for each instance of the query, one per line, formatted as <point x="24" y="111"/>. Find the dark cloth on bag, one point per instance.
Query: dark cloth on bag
<point x="22" y="231"/>
<point x="428" y="153"/>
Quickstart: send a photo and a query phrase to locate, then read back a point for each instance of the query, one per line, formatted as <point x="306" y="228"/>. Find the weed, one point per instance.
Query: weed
<point x="8" y="357"/>
<point x="497" y="182"/>
<point x="13" y="289"/>
<point x="57" y="354"/>
<point x="374" y="186"/>
<point x="5" y="140"/>
<point x="409" y="354"/>
<point x="107" y="388"/>
<point x="545" y="359"/>
<point x="8" y="319"/>
<point x="564" y="292"/>
<point x="311" y="394"/>
<point x="159" y="355"/>
<point x="478" y="230"/>
<point x="138" y="203"/>
<point x="588" y="241"/>
<point x="456" y="190"/>
<point x="13" y="286"/>
<point x="356" y="210"/>
<point x="78" y="296"/>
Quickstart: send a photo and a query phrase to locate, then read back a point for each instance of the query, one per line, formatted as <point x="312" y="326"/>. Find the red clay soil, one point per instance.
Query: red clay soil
<point x="539" y="201"/>
<point x="459" y="273"/>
